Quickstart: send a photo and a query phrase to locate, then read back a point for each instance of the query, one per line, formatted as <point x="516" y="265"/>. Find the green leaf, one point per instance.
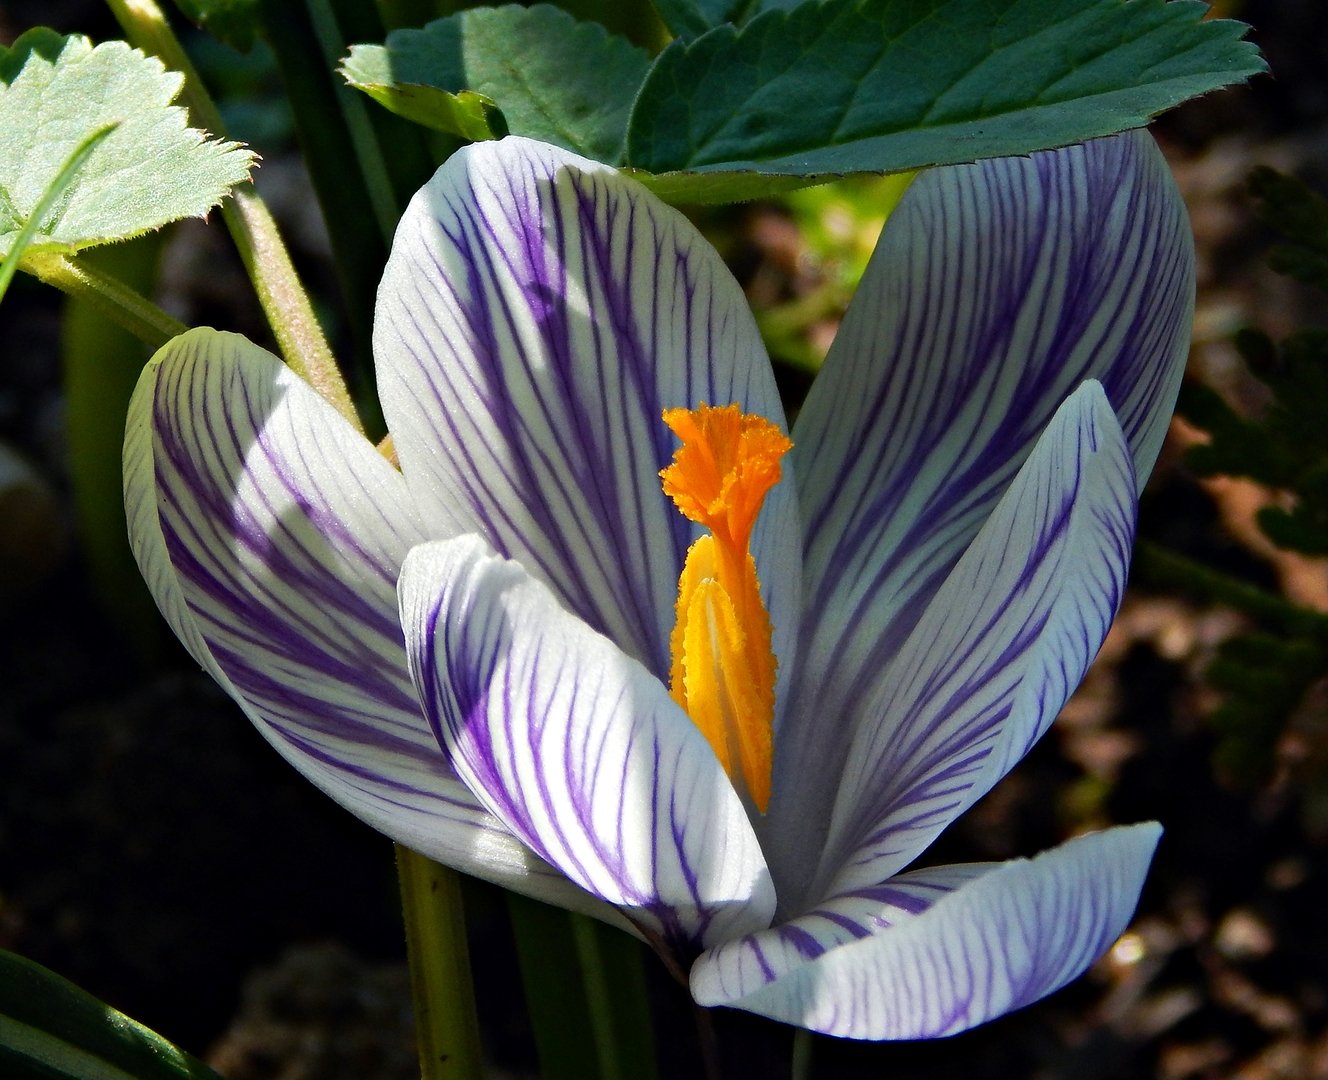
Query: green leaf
<point x="845" y="86"/>
<point x="486" y="72"/>
<point x="708" y="188"/>
<point x="688" y="18"/>
<point x="52" y="1029"/>
<point x="56" y="92"/>
<point x="235" y="22"/>
<point x="23" y="240"/>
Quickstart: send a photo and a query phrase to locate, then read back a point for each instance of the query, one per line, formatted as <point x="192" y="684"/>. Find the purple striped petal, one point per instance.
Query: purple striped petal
<point x="1002" y="645"/>
<point x="997" y="289"/>
<point x="578" y="749"/>
<point x="938" y="951"/>
<point x="271" y="534"/>
<point x="537" y="315"/>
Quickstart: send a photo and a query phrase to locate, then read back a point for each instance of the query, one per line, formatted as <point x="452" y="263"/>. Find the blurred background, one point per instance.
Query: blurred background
<point x="154" y="850"/>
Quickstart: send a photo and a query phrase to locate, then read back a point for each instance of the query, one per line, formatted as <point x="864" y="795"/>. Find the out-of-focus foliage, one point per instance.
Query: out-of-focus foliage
<point x="837" y="229"/>
<point x="236" y="22"/>
<point x="1267" y="674"/>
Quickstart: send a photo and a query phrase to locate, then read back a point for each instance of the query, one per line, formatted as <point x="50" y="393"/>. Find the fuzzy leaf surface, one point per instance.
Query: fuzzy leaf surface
<point x="152" y="169"/>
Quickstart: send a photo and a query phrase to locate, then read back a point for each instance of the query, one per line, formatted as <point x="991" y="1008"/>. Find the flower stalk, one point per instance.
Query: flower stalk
<point x="446" y="1025"/>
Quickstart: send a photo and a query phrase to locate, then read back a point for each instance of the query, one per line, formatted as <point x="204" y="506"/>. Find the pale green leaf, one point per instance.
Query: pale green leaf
<point x="23" y="239"/>
<point x="56" y="92"/>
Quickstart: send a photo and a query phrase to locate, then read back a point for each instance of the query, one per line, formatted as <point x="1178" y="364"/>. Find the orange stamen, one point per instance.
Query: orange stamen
<point x="723" y="670"/>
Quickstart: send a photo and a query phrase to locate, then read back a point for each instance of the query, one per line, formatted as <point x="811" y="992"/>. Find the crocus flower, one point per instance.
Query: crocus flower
<point x="603" y="638"/>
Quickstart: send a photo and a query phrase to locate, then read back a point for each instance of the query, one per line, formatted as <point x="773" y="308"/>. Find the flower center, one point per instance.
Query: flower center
<point x="723" y="670"/>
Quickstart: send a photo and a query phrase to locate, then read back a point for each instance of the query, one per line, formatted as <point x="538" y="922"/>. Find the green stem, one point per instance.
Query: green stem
<point x="101" y="364"/>
<point x="585" y="994"/>
<point x="709" y="1042"/>
<point x="555" y="998"/>
<point x="801" y="1066"/>
<point x="285" y="303"/>
<point x="364" y="190"/>
<point x="1159" y="566"/>
<point x="615" y="999"/>
<point x="112" y="297"/>
<point x="446" y="1025"/>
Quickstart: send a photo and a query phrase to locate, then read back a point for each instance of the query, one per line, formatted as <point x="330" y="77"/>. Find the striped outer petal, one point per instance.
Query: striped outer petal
<point x="538" y="313"/>
<point x="996" y="289"/>
<point x="938" y="951"/>
<point x="578" y="749"/>
<point x="270" y="534"/>
<point x="1003" y="644"/>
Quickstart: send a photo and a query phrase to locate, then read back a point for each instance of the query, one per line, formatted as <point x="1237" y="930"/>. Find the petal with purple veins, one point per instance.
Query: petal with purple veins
<point x="996" y="289"/>
<point x="578" y="749"/>
<point x="997" y="653"/>
<point x="938" y="951"/>
<point x="537" y="315"/>
<point x="271" y="534"/>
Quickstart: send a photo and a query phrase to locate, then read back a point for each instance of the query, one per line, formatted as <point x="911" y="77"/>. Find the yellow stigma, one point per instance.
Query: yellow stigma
<point x="723" y="671"/>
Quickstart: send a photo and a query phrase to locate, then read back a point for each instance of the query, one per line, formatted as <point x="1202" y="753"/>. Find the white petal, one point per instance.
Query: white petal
<point x="538" y="313"/>
<point x="270" y="534"/>
<point x="1001" y="647"/>
<point x="997" y="289"/>
<point x="944" y="950"/>
<point x="578" y="749"/>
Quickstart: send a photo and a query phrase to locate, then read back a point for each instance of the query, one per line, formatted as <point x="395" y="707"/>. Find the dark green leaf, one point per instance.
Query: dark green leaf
<point x="888" y="85"/>
<point x="51" y="1028"/>
<point x="689" y="18"/>
<point x="486" y="72"/>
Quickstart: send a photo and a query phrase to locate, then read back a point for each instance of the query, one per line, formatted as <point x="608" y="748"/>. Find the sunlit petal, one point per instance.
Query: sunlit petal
<point x="1003" y="644"/>
<point x="270" y="534"/>
<point x="938" y="951"/>
<point x="537" y="316"/>
<point x="997" y="289"/>
<point x="578" y="749"/>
